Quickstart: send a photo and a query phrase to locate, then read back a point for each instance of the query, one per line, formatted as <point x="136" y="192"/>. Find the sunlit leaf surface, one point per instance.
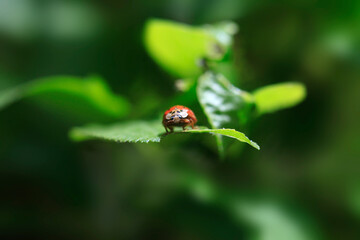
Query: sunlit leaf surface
<point x="279" y="96"/>
<point x="143" y="131"/>
<point x="90" y="97"/>
<point x="222" y="102"/>
<point x="178" y="47"/>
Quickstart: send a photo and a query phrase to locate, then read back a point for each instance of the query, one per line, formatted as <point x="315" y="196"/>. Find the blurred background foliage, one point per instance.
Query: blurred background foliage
<point x="303" y="184"/>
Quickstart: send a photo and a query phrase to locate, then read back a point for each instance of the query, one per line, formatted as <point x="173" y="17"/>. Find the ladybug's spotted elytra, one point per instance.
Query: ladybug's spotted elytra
<point x="178" y="116"/>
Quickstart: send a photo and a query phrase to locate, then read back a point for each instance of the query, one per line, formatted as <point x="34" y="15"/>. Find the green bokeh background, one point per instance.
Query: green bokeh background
<point x="306" y="176"/>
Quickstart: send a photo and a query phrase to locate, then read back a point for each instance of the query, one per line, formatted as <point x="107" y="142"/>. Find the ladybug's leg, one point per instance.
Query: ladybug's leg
<point x="187" y="122"/>
<point x="192" y="123"/>
<point x="171" y="129"/>
<point x="166" y="129"/>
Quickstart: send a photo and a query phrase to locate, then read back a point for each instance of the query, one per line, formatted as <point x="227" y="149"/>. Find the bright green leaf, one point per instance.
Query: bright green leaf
<point x="89" y="98"/>
<point x="223" y="103"/>
<point x="279" y="96"/>
<point x="178" y="47"/>
<point x="143" y="131"/>
<point x="232" y="133"/>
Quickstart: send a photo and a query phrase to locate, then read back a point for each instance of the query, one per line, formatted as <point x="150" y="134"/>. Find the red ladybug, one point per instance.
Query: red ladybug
<point x="178" y="116"/>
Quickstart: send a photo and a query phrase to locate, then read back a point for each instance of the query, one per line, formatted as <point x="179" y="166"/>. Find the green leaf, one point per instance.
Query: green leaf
<point x="224" y="105"/>
<point x="279" y="96"/>
<point x="88" y="98"/>
<point x="178" y="47"/>
<point x="232" y="133"/>
<point x="144" y="132"/>
<point x="135" y="131"/>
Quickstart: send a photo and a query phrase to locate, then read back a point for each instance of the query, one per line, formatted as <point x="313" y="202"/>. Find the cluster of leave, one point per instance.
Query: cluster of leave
<point x="178" y="49"/>
<point x="181" y="50"/>
<point x="202" y="55"/>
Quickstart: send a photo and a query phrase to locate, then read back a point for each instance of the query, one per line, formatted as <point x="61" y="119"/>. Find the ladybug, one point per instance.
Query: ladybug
<point x="178" y="116"/>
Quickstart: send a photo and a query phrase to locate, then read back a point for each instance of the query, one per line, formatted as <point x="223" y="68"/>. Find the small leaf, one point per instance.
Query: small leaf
<point x="232" y="133"/>
<point x="223" y="103"/>
<point x="144" y="132"/>
<point x="279" y="96"/>
<point x="178" y="47"/>
<point x="87" y="98"/>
